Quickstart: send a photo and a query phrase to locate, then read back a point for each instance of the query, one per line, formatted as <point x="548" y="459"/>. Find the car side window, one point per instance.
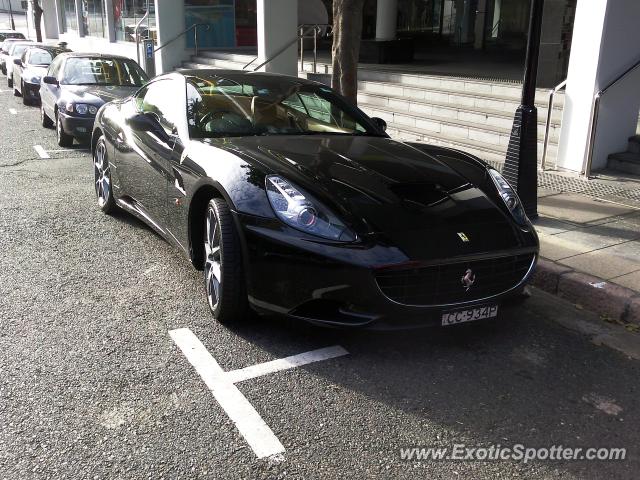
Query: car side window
<point x="158" y="98"/>
<point x="54" y="68"/>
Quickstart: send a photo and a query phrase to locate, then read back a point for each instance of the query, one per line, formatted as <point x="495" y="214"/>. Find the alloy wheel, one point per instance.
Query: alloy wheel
<point x="102" y="174"/>
<point x="213" y="260"/>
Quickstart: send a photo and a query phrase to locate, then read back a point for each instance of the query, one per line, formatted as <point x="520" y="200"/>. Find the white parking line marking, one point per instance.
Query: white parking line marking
<point x="13" y="111"/>
<point x="248" y="422"/>
<point x="254" y="371"/>
<point x="62" y="150"/>
<point x="41" y="151"/>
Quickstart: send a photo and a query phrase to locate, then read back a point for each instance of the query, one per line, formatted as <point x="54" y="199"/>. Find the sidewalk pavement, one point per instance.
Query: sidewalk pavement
<point x="590" y="249"/>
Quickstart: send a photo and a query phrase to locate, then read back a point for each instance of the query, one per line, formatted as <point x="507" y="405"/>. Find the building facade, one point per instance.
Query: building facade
<point x="591" y="43"/>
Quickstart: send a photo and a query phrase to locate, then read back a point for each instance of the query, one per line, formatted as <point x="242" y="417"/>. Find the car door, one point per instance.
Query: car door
<point x="147" y="169"/>
<point x="18" y="69"/>
<point x="49" y="93"/>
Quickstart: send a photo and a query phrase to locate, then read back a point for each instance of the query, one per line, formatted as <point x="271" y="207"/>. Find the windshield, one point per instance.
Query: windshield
<point x="16" y="49"/>
<point x="42" y="57"/>
<point x="103" y="71"/>
<point x="219" y="107"/>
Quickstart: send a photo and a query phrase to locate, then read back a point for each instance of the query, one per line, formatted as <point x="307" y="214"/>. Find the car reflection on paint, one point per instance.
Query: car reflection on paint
<point x="292" y="201"/>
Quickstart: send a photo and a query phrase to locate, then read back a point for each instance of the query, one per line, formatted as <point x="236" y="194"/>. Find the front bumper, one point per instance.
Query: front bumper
<point x="31" y="91"/>
<point x="79" y="127"/>
<point x="336" y="285"/>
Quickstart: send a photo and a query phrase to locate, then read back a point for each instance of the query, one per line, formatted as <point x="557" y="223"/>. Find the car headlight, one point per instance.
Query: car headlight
<point x="509" y="196"/>
<point x="299" y="210"/>
<point x="81" y="108"/>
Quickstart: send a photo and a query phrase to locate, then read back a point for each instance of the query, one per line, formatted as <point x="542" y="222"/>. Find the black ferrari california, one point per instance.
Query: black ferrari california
<point x="295" y="202"/>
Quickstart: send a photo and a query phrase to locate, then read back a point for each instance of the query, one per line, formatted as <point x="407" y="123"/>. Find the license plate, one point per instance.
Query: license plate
<point x="469" y="315"/>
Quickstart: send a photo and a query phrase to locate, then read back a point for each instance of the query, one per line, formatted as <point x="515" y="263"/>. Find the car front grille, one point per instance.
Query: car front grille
<point x="443" y="284"/>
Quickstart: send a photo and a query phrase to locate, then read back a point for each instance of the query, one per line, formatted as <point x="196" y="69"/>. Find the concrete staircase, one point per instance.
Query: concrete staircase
<point x="464" y="113"/>
<point x="629" y="161"/>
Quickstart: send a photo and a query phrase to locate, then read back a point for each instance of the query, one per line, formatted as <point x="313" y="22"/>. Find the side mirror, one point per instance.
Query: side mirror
<point x="17" y="61"/>
<point x="50" y="80"/>
<point x="145" y="122"/>
<point x="380" y="123"/>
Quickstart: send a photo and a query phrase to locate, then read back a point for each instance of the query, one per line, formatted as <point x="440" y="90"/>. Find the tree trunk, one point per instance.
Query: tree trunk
<point x="347" y="32"/>
<point x="37" y="17"/>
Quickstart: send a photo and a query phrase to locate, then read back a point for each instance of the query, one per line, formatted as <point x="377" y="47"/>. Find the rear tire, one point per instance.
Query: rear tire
<point x="16" y="93"/>
<point x="223" y="267"/>
<point x="64" y="140"/>
<point x="44" y="118"/>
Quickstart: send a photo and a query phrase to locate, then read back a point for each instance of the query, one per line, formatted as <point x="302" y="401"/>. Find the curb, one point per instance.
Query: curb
<point x="608" y="300"/>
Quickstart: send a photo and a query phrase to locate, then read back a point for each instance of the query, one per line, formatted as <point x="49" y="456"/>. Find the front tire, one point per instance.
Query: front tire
<point x="9" y="82"/>
<point x="223" y="268"/>
<point x="102" y="177"/>
<point x="25" y="99"/>
<point x="44" y="118"/>
<point x="64" y="140"/>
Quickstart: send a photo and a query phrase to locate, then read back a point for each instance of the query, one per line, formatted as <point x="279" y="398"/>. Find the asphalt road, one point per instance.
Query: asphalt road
<point x="92" y="385"/>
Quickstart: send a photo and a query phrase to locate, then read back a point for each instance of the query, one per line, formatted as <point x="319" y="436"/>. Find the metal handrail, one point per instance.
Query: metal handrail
<point x="135" y="33"/>
<point x="495" y="27"/>
<point x="547" y="126"/>
<point x="193" y="27"/>
<point x="303" y="30"/>
<point x="593" y="119"/>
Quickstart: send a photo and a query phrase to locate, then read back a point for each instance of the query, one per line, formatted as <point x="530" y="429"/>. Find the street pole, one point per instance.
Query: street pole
<point x="521" y="164"/>
<point x="13" y="24"/>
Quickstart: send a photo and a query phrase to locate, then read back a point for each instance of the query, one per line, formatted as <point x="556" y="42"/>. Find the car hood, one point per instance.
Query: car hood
<point x="97" y="95"/>
<point x="35" y="71"/>
<point x="393" y="189"/>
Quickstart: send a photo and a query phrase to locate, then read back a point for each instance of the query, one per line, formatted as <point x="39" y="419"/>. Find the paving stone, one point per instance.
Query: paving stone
<point x="552" y="226"/>
<point x="552" y="249"/>
<point x="592" y="238"/>
<point x="630" y="280"/>
<point x="578" y="208"/>
<point x="608" y="262"/>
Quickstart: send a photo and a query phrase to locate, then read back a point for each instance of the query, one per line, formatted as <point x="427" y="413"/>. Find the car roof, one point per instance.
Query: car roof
<point x="39" y="46"/>
<point x="13" y="40"/>
<point x="244" y="76"/>
<point x="93" y="55"/>
<point x="23" y="42"/>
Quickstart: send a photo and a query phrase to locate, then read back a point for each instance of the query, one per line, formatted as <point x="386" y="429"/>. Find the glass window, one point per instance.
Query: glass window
<point x="69" y="18"/>
<point x="127" y="14"/>
<point x="219" y="107"/>
<point x="38" y="56"/>
<point x="93" y="18"/>
<point x="219" y="15"/>
<point x="54" y="68"/>
<point x="18" y="50"/>
<point x="158" y="98"/>
<point x="419" y="16"/>
<point x="103" y="71"/>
